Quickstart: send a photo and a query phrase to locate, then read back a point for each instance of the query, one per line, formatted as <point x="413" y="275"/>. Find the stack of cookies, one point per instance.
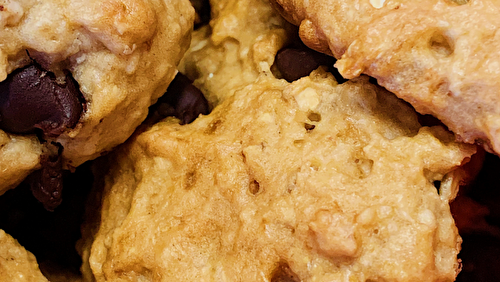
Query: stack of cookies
<point x="223" y="141"/>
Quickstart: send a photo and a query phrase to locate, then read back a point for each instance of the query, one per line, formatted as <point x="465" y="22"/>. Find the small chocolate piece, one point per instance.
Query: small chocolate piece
<point x="283" y="273"/>
<point x="294" y="63"/>
<point x="182" y="100"/>
<point x="31" y="98"/>
<point x="47" y="182"/>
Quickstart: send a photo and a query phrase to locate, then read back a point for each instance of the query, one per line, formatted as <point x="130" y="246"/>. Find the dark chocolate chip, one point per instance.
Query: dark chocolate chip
<point x="283" y="273"/>
<point x="182" y="100"/>
<point x="47" y="182"/>
<point x="294" y="63"/>
<point x="31" y="98"/>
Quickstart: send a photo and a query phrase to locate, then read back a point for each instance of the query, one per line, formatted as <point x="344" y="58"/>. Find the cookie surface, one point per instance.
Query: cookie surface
<point x="17" y="264"/>
<point x="121" y="54"/>
<point x="442" y="56"/>
<point x="19" y="156"/>
<point x="302" y="181"/>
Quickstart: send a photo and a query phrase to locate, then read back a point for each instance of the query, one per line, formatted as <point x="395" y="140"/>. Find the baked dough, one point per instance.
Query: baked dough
<point x="17" y="264"/>
<point x="122" y="53"/>
<point x="303" y="181"/>
<point x="442" y="56"/>
<point x="19" y="155"/>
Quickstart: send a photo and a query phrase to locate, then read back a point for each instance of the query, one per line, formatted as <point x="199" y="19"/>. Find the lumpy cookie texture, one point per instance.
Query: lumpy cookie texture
<point x="17" y="264"/>
<point x="19" y="156"/>
<point x="280" y="172"/>
<point x="441" y="56"/>
<point x="228" y="54"/>
<point x="122" y="54"/>
<point x="304" y="181"/>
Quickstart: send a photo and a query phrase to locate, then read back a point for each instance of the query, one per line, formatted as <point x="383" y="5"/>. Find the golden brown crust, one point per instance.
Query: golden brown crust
<point x="238" y="191"/>
<point x="441" y="57"/>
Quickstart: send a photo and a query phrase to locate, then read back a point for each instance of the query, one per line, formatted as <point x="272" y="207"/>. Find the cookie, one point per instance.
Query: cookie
<point x="441" y="56"/>
<point x="19" y="156"/>
<point x="243" y="52"/>
<point x="82" y="74"/>
<point x="304" y="181"/>
<point x="17" y="264"/>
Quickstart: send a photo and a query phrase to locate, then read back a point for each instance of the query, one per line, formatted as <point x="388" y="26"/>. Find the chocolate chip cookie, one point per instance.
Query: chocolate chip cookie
<point x="81" y="75"/>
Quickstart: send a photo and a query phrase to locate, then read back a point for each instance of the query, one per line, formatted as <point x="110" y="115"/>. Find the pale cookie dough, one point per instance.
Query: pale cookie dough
<point x="122" y="53"/>
<point x="442" y="56"/>
<point x="309" y="181"/>
<point x="17" y="264"/>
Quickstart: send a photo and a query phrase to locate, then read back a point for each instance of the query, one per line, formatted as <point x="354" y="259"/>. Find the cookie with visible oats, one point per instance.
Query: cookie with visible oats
<point x="82" y="74"/>
<point x="304" y="181"/>
<point x="442" y="56"/>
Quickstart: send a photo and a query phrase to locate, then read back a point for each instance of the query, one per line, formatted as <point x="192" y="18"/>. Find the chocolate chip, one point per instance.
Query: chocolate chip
<point x="182" y="100"/>
<point x="283" y="273"/>
<point x="31" y="98"/>
<point x="294" y="63"/>
<point x="47" y="182"/>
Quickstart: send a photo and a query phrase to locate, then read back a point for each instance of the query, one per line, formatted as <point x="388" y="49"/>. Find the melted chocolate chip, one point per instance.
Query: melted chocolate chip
<point x="294" y="63"/>
<point x="182" y="100"/>
<point x="283" y="273"/>
<point x="47" y="182"/>
<point x="31" y="98"/>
